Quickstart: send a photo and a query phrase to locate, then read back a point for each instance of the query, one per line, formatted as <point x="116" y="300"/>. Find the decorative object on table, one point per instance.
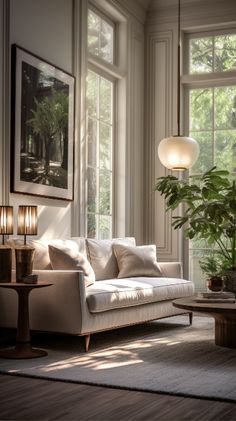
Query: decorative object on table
<point x="210" y="212"/>
<point x="27" y="225"/>
<point x="215" y="284"/>
<point x="215" y="297"/>
<point x="178" y="153"/>
<point x="6" y="228"/>
<point x="30" y="279"/>
<point x="211" y="265"/>
<point x="43" y="121"/>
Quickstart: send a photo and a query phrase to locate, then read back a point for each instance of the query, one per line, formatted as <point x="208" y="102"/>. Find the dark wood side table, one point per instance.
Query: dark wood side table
<point x="23" y="347"/>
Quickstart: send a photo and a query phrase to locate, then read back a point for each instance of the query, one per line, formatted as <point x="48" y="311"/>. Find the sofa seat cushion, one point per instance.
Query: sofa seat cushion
<point x="117" y="293"/>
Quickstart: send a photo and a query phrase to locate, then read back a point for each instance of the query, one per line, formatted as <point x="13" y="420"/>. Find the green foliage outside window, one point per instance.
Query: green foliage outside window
<point x="213" y="54"/>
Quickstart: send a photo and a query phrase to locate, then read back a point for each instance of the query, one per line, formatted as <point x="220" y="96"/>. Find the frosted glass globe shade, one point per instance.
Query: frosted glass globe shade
<point x="178" y="152"/>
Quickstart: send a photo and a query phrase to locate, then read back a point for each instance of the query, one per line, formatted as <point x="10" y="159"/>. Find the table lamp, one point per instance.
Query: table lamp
<point x="6" y="228"/>
<point x="27" y="225"/>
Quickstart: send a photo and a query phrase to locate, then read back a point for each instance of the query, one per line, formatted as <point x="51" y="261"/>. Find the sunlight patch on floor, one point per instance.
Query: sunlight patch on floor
<point x="103" y="360"/>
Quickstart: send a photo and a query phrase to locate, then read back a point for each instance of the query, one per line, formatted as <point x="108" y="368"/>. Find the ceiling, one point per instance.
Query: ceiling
<point x="144" y="3"/>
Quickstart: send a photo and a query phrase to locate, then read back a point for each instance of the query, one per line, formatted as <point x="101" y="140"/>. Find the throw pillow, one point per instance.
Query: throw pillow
<point x="102" y="258"/>
<point x="137" y="261"/>
<point x="66" y="258"/>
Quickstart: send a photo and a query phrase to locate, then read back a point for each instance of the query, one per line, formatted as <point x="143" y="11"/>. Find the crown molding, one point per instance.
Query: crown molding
<point x="205" y="11"/>
<point x="132" y="8"/>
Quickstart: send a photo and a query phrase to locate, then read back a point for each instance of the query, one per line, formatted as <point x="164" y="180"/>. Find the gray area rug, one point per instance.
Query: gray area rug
<point x="165" y="356"/>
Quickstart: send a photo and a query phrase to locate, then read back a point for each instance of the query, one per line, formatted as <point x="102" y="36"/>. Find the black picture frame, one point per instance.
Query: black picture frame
<point x="42" y="127"/>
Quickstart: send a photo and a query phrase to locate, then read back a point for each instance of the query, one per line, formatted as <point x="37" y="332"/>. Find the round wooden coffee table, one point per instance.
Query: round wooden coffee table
<point x="223" y="313"/>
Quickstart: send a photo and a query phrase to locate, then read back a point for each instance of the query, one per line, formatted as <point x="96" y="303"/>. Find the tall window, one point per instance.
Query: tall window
<point x="100" y="125"/>
<point x="212" y="114"/>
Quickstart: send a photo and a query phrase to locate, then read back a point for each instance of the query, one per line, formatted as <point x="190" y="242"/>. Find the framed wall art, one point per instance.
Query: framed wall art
<point x="42" y="127"/>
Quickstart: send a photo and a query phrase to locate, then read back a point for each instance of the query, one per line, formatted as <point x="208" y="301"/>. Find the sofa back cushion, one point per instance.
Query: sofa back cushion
<point x="67" y="257"/>
<point x="102" y="258"/>
<point x="41" y="257"/>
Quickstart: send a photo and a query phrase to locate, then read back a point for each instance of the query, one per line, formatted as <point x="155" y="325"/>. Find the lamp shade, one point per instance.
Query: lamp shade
<point x="178" y="152"/>
<point x="27" y="220"/>
<point x="6" y="220"/>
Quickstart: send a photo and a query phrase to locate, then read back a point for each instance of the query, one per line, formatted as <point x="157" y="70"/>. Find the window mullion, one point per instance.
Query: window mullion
<point x="213" y="125"/>
<point x="97" y="150"/>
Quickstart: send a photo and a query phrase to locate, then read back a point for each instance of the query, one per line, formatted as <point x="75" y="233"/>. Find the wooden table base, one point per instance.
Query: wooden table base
<point x="225" y="331"/>
<point x="22" y="351"/>
<point x="223" y="313"/>
<point x="23" y="347"/>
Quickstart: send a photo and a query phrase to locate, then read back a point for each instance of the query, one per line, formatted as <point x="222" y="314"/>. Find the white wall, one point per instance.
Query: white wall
<point x="51" y="30"/>
<point x="45" y="28"/>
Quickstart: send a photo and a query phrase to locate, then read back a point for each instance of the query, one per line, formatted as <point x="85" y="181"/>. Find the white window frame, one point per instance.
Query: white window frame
<point x="106" y="76"/>
<point x="116" y="74"/>
<point x="203" y="80"/>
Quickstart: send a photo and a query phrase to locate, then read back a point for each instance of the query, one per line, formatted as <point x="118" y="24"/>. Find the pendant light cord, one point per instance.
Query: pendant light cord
<point x="178" y="74"/>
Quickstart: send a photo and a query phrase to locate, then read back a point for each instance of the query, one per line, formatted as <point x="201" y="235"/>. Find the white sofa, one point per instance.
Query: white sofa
<point x="68" y="306"/>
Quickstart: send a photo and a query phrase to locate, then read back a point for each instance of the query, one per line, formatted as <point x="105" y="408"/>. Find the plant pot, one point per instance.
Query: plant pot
<point x="230" y="280"/>
<point x="215" y="284"/>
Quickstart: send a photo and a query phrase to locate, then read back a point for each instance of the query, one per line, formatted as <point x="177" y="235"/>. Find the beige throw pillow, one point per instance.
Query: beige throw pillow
<point x="137" y="261"/>
<point x="102" y="258"/>
<point x="65" y="258"/>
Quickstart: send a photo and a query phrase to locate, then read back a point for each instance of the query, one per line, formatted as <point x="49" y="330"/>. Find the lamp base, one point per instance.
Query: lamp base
<point x="24" y="262"/>
<point x="5" y="263"/>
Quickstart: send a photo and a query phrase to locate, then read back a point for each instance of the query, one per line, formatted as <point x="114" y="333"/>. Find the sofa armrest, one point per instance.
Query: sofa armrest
<point x="171" y="269"/>
<point x="58" y="308"/>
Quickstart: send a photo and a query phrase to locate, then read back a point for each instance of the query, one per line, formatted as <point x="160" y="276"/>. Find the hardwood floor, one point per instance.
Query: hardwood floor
<point x="24" y="398"/>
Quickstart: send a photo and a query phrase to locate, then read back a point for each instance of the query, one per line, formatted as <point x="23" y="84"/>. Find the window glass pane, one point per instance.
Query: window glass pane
<point x="201" y="108"/>
<point x="93" y="32"/>
<point x="201" y="55"/>
<point x="106" y="41"/>
<point x="92" y="142"/>
<point x="195" y="272"/>
<point x="99" y="148"/>
<point x="100" y="37"/>
<point x="225" y="150"/>
<point x="105" y="227"/>
<point x="105" y="192"/>
<point x="205" y="160"/>
<point x="225" y="107"/>
<point x="92" y="94"/>
<point x="105" y="146"/>
<point x="105" y="100"/>
<point x="91" y="225"/>
<point x="91" y="205"/>
<point x="225" y="53"/>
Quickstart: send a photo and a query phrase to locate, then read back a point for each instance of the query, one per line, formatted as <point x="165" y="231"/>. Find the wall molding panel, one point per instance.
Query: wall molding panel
<point x="135" y="163"/>
<point x="160" y="113"/>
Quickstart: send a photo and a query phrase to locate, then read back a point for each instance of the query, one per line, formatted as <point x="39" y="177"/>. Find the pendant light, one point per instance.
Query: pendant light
<point x="178" y="153"/>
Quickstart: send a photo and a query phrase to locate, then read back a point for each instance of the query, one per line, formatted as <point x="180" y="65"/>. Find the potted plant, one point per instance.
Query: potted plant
<point x="214" y="266"/>
<point x="209" y="213"/>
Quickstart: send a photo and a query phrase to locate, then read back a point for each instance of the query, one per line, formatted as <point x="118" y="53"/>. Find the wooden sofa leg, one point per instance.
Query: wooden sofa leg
<point x="87" y="341"/>
<point x="190" y="318"/>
